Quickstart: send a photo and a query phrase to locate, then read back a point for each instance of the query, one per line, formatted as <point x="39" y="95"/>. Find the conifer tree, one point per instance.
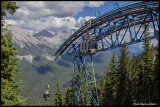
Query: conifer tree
<point x="156" y="79"/>
<point x="127" y="100"/>
<point x="148" y="67"/>
<point x="68" y="98"/>
<point x="102" y="91"/>
<point x="58" y="95"/>
<point x="133" y="80"/>
<point x="122" y="70"/>
<point x="140" y="84"/>
<point x="7" y="7"/>
<point x="10" y="71"/>
<point x="111" y="82"/>
<point x="72" y="95"/>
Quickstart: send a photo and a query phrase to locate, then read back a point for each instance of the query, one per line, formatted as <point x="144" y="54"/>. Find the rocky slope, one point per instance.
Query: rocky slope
<point x="42" y="43"/>
<point x="21" y="36"/>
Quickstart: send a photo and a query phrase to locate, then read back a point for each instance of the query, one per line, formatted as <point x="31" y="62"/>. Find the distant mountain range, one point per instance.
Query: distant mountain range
<point x="26" y="39"/>
<point x="21" y="36"/>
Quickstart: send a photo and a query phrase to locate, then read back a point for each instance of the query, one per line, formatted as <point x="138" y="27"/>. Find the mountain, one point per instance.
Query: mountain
<point x="22" y="37"/>
<point x="44" y="37"/>
<point x="43" y="33"/>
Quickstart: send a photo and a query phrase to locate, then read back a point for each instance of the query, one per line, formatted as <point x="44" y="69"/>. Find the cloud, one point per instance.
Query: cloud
<point x="10" y="21"/>
<point x="52" y="23"/>
<point x="95" y="3"/>
<point x="50" y="15"/>
<point x="43" y="9"/>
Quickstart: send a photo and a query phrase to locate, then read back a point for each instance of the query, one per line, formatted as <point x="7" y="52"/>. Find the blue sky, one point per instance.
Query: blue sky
<point x="56" y="16"/>
<point x="107" y="6"/>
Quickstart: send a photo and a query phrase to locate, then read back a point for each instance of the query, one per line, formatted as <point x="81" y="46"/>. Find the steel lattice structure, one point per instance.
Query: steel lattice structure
<point x="110" y="30"/>
<point x="87" y="72"/>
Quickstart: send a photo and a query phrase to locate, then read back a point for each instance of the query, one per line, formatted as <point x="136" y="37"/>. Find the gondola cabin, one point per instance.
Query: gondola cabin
<point x="88" y="46"/>
<point x="46" y="96"/>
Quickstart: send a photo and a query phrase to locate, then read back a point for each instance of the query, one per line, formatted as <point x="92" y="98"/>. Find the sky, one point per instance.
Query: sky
<point x="56" y="16"/>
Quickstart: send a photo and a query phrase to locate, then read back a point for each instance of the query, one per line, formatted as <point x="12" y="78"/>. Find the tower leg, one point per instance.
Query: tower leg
<point x="84" y="91"/>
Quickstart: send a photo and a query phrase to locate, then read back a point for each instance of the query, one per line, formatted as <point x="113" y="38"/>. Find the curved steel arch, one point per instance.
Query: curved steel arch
<point x="137" y="12"/>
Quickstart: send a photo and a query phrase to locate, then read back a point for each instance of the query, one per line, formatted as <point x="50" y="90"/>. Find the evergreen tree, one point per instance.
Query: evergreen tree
<point x="127" y="100"/>
<point x="10" y="72"/>
<point x="148" y="68"/>
<point x="7" y="7"/>
<point x="156" y="79"/>
<point x="133" y="80"/>
<point x="140" y="84"/>
<point x="122" y="70"/>
<point x="111" y="82"/>
<point x="72" y="93"/>
<point x="102" y="91"/>
<point x="58" y="95"/>
<point x="68" y="98"/>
